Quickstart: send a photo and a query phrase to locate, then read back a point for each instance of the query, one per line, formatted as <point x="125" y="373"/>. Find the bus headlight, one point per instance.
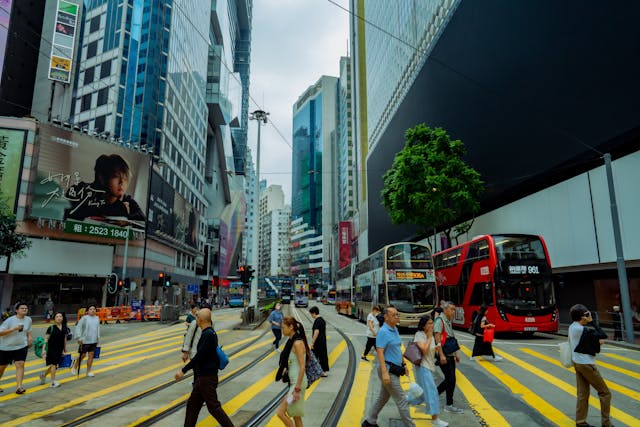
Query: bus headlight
<point x="502" y="315"/>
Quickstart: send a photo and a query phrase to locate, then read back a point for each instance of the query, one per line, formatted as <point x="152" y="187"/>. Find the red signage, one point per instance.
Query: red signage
<point x="345" y="243"/>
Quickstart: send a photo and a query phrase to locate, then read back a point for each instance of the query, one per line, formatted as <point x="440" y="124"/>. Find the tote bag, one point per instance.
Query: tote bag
<point x="488" y="335"/>
<point x="565" y="354"/>
<point x="412" y="353"/>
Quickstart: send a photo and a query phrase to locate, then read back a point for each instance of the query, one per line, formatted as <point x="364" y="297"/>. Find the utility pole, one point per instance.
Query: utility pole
<point x="260" y="116"/>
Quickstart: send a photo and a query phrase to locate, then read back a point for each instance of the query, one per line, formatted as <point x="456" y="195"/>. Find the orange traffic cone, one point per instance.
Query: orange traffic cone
<point x="138" y="315"/>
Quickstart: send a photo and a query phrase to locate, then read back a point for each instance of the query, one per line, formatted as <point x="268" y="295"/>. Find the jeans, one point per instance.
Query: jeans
<point x="449" y="382"/>
<point x="277" y="333"/>
<point x="424" y="378"/>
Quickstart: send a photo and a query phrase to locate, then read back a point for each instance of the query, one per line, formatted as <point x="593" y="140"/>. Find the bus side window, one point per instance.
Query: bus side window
<point x="382" y="295"/>
<point x="481" y="294"/>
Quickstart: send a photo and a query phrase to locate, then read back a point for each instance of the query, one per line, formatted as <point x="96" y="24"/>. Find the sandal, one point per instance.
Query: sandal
<point x="20" y="391"/>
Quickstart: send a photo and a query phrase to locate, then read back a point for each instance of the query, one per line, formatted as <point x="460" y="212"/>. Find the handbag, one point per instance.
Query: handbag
<point x="565" y="354"/>
<point x="487" y="336"/>
<point x="65" y="361"/>
<point x="222" y="357"/>
<point x="450" y="345"/>
<point x="96" y="353"/>
<point x="412" y="353"/>
<point x="312" y="369"/>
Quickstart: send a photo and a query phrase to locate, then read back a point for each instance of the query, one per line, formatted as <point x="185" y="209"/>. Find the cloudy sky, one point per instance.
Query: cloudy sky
<point x="294" y="42"/>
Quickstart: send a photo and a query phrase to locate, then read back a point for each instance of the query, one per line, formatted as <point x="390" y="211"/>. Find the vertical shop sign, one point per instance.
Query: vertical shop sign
<point x="64" y="33"/>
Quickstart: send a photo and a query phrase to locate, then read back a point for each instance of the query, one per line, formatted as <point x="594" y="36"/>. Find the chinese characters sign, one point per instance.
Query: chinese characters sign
<point x="98" y="230"/>
<point x="345" y="243"/>
<point x="63" y="42"/>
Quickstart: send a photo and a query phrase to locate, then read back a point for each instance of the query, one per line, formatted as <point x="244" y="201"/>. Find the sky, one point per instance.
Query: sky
<point x="294" y="43"/>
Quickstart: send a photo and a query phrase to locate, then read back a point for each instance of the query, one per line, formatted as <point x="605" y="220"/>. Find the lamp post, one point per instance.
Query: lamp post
<point x="153" y="159"/>
<point x="260" y="116"/>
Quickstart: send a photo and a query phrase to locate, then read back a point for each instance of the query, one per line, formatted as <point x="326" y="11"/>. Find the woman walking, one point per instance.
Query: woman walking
<point x="55" y="346"/>
<point x="292" y="363"/>
<point x="424" y="372"/>
<point x="480" y="347"/>
<point x="373" y="326"/>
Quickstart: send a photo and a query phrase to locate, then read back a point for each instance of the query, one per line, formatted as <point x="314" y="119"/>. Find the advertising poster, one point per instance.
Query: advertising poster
<point x="170" y="214"/>
<point x="231" y="228"/>
<point x="11" y="149"/>
<point x="345" y="243"/>
<point x="82" y="179"/>
<point x="64" y="33"/>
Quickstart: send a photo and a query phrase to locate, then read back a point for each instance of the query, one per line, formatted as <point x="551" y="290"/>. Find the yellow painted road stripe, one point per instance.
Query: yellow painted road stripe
<point x="621" y="358"/>
<point x="613" y="386"/>
<point x="356" y="402"/>
<point x="532" y="399"/>
<point x="615" y="368"/>
<point x="184" y="397"/>
<point x="478" y="404"/>
<point x="615" y="413"/>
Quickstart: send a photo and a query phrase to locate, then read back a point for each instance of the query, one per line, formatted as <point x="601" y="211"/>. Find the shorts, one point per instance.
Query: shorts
<point x="87" y="348"/>
<point x="53" y="359"/>
<point x="9" y="356"/>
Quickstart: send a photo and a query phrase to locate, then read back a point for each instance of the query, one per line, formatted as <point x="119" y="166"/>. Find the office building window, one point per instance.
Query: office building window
<point x="89" y="75"/>
<point x="103" y="96"/>
<point x="95" y="24"/>
<point x="105" y="69"/>
<point x="99" y="124"/>
<point x="92" y="49"/>
<point x="86" y="102"/>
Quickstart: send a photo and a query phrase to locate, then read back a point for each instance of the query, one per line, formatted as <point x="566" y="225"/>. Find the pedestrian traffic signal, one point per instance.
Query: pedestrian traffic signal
<point x="120" y="283"/>
<point x="127" y="284"/>
<point x="249" y="273"/>
<point x="113" y="280"/>
<point x="167" y="281"/>
<point x="242" y="273"/>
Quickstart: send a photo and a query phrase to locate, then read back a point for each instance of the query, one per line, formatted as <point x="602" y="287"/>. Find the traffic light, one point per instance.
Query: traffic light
<point x="113" y="280"/>
<point x="249" y="273"/>
<point x="242" y="273"/>
<point x="127" y="284"/>
<point x="120" y="283"/>
<point x="167" y="281"/>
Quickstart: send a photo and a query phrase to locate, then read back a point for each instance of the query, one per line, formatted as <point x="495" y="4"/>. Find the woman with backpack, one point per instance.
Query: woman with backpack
<point x="292" y="371"/>
<point x="55" y="345"/>
<point x="480" y="346"/>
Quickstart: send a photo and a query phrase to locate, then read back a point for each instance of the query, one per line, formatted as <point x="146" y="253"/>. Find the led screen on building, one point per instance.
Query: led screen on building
<point x="11" y="149"/>
<point x="64" y="35"/>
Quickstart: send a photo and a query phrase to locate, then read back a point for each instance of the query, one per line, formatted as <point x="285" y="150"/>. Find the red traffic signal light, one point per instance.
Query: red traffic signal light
<point x="120" y="283"/>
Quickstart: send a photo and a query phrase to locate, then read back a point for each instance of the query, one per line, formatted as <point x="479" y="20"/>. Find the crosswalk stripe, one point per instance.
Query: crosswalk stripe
<point x="621" y="358"/>
<point x="356" y="401"/>
<point x="615" y="368"/>
<point x="613" y="386"/>
<point x="562" y="385"/>
<point x="531" y="398"/>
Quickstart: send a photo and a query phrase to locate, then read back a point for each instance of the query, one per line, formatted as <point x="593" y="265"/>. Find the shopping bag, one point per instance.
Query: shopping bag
<point x="565" y="354"/>
<point x="96" y="353"/>
<point x="65" y="361"/>
<point x="222" y="357"/>
<point x="488" y="335"/>
<point x="414" y="396"/>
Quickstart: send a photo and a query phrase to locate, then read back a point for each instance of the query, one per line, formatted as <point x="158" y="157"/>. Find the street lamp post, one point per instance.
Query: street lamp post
<point x="260" y="116"/>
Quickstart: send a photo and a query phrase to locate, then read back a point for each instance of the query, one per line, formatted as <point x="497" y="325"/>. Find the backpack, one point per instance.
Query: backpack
<point x="312" y="369"/>
<point x="380" y="318"/>
<point x="222" y="358"/>
<point x="472" y="328"/>
<point x="38" y="345"/>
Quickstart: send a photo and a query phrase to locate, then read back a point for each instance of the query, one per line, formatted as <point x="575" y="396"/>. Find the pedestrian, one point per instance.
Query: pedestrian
<point x="192" y="315"/>
<point x="373" y="326"/>
<point x="55" y="346"/>
<point x="437" y="312"/>
<point x="480" y="346"/>
<point x="616" y="316"/>
<point x="585" y="339"/>
<point x="275" y="320"/>
<point x="15" y="340"/>
<point x="48" y="310"/>
<point x="319" y="340"/>
<point x="205" y="366"/>
<point x="88" y="333"/>
<point x="192" y="337"/>
<point x="391" y="367"/>
<point x="447" y="361"/>
<point x="292" y="371"/>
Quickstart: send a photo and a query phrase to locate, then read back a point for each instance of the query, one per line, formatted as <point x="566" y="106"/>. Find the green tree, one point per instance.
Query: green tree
<point x="10" y="241"/>
<point x="429" y="184"/>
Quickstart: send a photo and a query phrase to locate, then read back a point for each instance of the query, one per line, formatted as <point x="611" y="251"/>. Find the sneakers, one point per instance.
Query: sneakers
<point x="91" y="374"/>
<point x="497" y="358"/>
<point x="439" y="423"/>
<point x="366" y="423"/>
<point x="364" y="358"/>
<point x="452" y="409"/>
<point x="42" y="378"/>
<point x="55" y="384"/>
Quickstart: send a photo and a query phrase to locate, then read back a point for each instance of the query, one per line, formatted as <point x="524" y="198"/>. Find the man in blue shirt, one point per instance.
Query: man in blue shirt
<point x="275" y="319"/>
<point x="389" y="349"/>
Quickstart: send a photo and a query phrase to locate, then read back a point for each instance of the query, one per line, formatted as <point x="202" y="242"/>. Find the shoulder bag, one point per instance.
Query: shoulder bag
<point x="412" y="353"/>
<point x="565" y="354"/>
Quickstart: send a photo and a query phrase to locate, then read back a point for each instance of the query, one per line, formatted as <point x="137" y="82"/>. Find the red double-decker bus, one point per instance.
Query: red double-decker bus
<point x="510" y="273"/>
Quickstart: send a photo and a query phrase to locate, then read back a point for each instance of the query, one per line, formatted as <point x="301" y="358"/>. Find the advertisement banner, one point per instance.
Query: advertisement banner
<point x="345" y="243"/>
<point x="81" y="178"/>
<point x="170" y="214"/>
<point x="231" y="228"/>
<point x="11" y="150"/>
<point x="64" y="33"/>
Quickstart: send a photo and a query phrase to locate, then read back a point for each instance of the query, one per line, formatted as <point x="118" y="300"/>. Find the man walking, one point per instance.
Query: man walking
<point x="275" y="320"/>
<point x="88" y="333"/>
<point x="319" y="340"/>
<point x="388" y="347"/>
<point x="15" y="340"/>
<point x="585" y="341"/>
<point x="447" y="361"/>
<point x="205" y="367"/>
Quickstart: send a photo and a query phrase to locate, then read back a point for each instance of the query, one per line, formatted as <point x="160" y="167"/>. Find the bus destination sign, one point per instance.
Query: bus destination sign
<point x="428" y="275"/>
<point x="524" y="269"/>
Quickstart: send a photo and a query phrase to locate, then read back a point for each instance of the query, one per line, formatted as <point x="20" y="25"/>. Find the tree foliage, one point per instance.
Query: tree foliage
<point x="429" y="184"/>
<point x="10" y="241"/>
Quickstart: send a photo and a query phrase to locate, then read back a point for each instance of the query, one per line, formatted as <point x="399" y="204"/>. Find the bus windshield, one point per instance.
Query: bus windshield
<point x="509" y="248"/>
<point x="522" y="293"/>
<point x="411" y="297"/>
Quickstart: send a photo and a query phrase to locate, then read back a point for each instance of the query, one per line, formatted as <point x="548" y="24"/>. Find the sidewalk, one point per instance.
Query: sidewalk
<point x="564" y="327"/>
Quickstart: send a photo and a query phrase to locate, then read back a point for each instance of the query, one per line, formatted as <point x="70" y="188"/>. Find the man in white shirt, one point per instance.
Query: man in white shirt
<point x="373" y="325"/>
<point x="88" y="333"/>
<point x="584" y="362"/>
<point x="15" y="340"/>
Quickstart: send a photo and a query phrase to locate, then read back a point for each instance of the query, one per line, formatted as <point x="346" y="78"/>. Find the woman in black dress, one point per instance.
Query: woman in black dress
<point x="480" y="347"/>
<point x="55" y="346"/>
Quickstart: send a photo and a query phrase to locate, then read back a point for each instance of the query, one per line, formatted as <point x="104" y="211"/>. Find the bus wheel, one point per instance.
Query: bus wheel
<point x="528" y="334"/>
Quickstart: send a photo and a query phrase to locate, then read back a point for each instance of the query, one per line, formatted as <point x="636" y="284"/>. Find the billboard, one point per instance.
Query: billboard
<point x="5" y="14"/>
<point x="81" y="178"/>
<point x="170" y="214"/>
<point x="231" y="228"/>
<point x="64" y="34"/>
<point x="11" y="150"/>
<point x="345" y="243"/>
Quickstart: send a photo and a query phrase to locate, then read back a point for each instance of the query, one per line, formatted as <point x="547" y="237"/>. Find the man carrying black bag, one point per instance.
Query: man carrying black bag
<point x="389" y="350"/>
<point x="447" y="354"/>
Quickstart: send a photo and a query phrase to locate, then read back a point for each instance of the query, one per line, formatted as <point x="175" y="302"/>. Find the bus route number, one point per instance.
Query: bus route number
<point x="524" y="269"/>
